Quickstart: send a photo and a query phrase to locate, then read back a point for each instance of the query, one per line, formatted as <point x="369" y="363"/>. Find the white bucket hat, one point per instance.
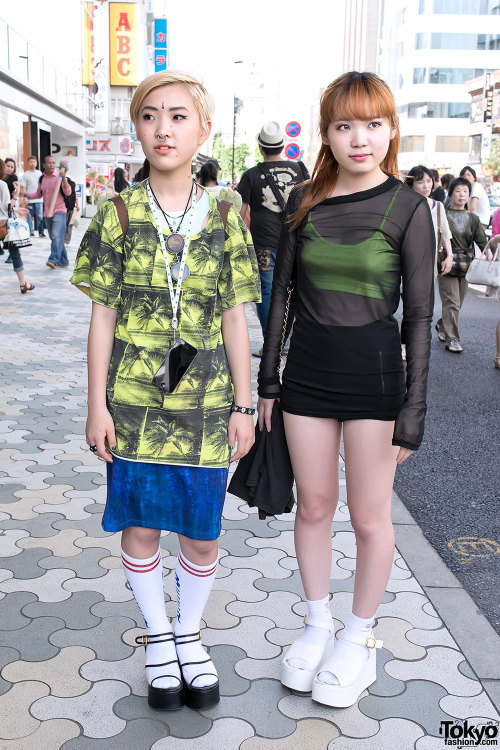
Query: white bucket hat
<point x="271" y="135"/>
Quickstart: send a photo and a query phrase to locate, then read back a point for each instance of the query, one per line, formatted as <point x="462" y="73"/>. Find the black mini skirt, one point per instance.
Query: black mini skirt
<point x="344" y="372"/>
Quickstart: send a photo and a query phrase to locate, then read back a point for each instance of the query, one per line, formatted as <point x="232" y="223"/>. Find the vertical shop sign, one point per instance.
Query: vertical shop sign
<point x="88" y="44"/>
<point x="160" y="44"/>
<point x="489" y="85"/>
<point x="101" y="57"/>
<point x="123" y="44"/>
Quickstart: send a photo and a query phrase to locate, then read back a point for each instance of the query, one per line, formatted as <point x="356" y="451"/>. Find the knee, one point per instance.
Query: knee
<point x="366" y="527"/>
<point x="316" y="510"/>
<point x="141" y="537"/>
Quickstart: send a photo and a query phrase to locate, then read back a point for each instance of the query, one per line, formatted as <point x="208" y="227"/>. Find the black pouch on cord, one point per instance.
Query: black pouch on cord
<point x="174" y="366"/>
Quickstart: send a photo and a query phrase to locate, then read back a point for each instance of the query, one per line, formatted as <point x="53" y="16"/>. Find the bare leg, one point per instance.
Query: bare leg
<point x="198" y="551"/>
<point x="140" y="542"/>
<point x="313" y="444"/>
<point x="370" y="468"/>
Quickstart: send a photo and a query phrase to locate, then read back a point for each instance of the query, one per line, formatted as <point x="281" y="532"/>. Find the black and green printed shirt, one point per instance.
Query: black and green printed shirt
<point x="188" y="427"/>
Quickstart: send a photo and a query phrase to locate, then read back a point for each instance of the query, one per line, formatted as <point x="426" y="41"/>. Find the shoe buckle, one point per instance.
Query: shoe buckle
<point x="370" y="642"/>
<point x="144" y="640"/>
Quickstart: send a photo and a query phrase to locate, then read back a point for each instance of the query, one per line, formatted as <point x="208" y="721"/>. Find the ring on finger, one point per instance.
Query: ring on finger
<point x="93" y="448"/>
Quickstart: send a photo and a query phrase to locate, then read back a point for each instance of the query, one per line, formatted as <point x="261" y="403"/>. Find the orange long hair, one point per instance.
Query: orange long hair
<point x="351" y="96"/>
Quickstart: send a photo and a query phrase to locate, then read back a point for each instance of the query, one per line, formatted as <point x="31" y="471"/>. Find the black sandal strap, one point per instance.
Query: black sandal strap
<point x="205" y="674"/>
<point x="191" y="663"/>
<point x="160" y="677"/>
<point x="196" y="636"/>
<point x="143" y="640"/>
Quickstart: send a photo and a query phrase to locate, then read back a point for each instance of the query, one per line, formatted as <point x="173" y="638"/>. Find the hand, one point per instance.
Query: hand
<point x="100" y="427"/>
<point x="241" y="429"/>
<point x="403" y="454"/>
<point x="446" y="265"/>
<point x="264" y="410"/>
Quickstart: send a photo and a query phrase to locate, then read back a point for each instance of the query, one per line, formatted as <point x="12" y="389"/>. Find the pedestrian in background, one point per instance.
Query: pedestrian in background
<point x="265" y="189"/>
<point x="445" y="183"/>
<point x="29" y="181"/>
<point x="208" y="177"/>
<point x="421" y="180"/>
<point x="352" y="233"/>
<point x="116" y="185"/>
<point x="167" y="430"/>
<point x="52" y="187"/>
<point x="478" y="202"/>
<point x="5" y="201"/>
<point x="70" y="201"/>
<point x="466" y="229"/>
<point x="437" y="193"/>
<point x="10" y="175"/>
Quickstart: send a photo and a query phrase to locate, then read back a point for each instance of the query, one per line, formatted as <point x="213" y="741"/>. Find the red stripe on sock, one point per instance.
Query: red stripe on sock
<point x="195" y="571"/>
<point x="146" y="568"/>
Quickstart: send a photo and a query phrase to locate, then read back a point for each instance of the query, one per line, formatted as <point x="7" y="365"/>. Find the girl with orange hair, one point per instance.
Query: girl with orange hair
<point x="351" y="234"/>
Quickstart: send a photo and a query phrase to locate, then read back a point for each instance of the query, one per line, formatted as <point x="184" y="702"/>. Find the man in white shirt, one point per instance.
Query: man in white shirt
<point x="478" y="203"/>
<point x="29" y="180"/>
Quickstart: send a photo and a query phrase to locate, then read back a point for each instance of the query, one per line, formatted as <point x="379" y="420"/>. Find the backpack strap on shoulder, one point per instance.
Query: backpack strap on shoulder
<point x="122" y="212"/>
<point x="223" y="207"/>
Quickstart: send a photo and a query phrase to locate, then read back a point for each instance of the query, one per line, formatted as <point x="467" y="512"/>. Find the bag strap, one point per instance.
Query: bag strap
<point x="224" y="207"/>
<point x="121" y="210"/>
<point x="264" y="169"/>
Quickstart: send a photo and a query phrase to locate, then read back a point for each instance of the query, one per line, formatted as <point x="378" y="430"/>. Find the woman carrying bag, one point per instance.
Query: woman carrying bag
<point x="5" y="202"/>
<point x="350" y="236"/>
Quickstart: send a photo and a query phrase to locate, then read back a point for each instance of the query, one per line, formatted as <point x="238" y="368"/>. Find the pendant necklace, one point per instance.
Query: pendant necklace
<point x="180" y="270"/>
<point x="175" y="241"/>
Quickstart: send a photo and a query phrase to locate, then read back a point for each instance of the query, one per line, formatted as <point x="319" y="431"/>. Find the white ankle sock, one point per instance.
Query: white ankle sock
<point x="318" y="609"/>
<point x="145" y="578"/>
<point x="356" y="653"/>
<point x="194" y="584"/>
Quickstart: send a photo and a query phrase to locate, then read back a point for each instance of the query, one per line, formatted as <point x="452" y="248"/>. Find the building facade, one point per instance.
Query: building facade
<point x="362" y="22"/>
<point x="429" y="50"/>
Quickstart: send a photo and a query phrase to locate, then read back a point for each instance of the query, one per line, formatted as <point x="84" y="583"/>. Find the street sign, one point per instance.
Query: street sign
<point x="293" y="129"/>
<point x="292" y="151"/>
<point x="160" y="29"/>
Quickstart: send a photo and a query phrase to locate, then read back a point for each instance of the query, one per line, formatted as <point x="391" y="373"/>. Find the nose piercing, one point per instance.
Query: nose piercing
<point x="161" y="137"/>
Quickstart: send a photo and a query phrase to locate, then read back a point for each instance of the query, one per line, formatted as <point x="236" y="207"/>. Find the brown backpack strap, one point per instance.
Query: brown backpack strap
<point x="122" y="212"/>
<point x="224" y="207"/>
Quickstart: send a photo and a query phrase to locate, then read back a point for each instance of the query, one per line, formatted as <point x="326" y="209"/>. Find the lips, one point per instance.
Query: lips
<point x="163" y="148"/>
<point x="360" y="157"/>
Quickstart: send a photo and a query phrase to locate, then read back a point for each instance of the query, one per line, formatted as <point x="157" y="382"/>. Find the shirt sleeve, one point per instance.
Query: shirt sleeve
<point x="281" y="308"/>
<point x="478" y="232"/>
<point x="98" y="266"/>
<point x="495" y="224"/>
<point x="244" y="187"/>
<point x="239" y="279"/>
<point x="36" y="193"/>
<point x="445" y="227"/>
<point x="417" y="267"/>
<point x="69" y="190"/>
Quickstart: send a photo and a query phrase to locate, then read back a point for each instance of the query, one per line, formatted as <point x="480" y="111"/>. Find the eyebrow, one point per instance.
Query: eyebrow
<point x="169" y="109"/>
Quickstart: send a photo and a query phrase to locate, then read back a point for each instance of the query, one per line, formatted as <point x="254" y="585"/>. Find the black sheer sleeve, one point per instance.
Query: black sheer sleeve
<point x="417" y="259"/>
<point x="284" y="270"/>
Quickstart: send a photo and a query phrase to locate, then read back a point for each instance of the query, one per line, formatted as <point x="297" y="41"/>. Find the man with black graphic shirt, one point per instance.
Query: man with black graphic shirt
<point x="265" y="188"/>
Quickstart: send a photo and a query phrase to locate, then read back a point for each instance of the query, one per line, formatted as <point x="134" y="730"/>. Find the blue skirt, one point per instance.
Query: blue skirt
<point x="185" y="499"/>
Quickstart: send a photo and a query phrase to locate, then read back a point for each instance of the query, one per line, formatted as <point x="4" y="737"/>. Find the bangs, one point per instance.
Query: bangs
<point x="360" y="97"/>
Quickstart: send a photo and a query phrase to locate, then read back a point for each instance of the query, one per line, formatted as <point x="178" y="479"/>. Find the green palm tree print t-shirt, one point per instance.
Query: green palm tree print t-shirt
<point x="189" y="426"/>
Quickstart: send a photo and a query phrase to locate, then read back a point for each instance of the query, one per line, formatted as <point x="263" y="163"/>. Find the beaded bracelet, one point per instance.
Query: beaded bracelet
<point x="243" y="409"/>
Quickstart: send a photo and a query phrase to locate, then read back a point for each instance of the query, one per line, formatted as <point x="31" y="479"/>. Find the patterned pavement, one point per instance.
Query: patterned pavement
<point x="70" y="676"/>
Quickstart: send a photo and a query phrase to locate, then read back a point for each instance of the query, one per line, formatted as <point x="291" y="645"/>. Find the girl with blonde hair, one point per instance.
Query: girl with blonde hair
<point x="168" y="272"/>
<point x="351" y="235"/>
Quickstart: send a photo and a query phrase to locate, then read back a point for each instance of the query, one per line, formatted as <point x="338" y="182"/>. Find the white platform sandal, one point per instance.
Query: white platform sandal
<point x="350" y="686"/>
<point x="302" y="679"/>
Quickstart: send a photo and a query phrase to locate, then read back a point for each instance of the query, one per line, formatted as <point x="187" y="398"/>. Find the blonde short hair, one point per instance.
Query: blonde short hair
<point x="203" y="101"/>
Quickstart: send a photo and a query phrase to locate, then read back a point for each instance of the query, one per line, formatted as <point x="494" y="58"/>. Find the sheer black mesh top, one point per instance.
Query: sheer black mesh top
<point x="345" y="263"/>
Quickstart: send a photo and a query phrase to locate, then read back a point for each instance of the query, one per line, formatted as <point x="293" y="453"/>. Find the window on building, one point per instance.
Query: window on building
<point x="421" y="6"/>
<point x="438" y="109"/>
<point x="421" y="41"/>
<point x="453" y="75"/>
<point x="419" y="75"/>
<point x="464" y="41"/>
<point x="475" y="148"/>
<point x="412" y="143"/>
<point x="467" y="7"/>
<point x="452" y="143"/>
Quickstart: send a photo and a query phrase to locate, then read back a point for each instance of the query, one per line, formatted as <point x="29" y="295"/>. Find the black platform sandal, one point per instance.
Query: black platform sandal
<point x="163" y="699"/>
<point x="197" y="697"/>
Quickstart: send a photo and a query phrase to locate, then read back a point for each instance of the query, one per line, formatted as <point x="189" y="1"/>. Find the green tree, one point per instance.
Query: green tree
<point x="494" y="160"/>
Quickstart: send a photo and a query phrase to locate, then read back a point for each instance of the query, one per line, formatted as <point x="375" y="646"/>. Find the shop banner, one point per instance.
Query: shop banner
<point x="160" y="44"/>
<point x="123" y="44"/>
<point x="88" y="44"/>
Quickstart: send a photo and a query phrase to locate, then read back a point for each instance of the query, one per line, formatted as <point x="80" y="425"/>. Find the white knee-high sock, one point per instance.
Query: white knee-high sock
<point x="145" y="578"/>
<point x="356" y="654"/>
<point x="194" y="584"/>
